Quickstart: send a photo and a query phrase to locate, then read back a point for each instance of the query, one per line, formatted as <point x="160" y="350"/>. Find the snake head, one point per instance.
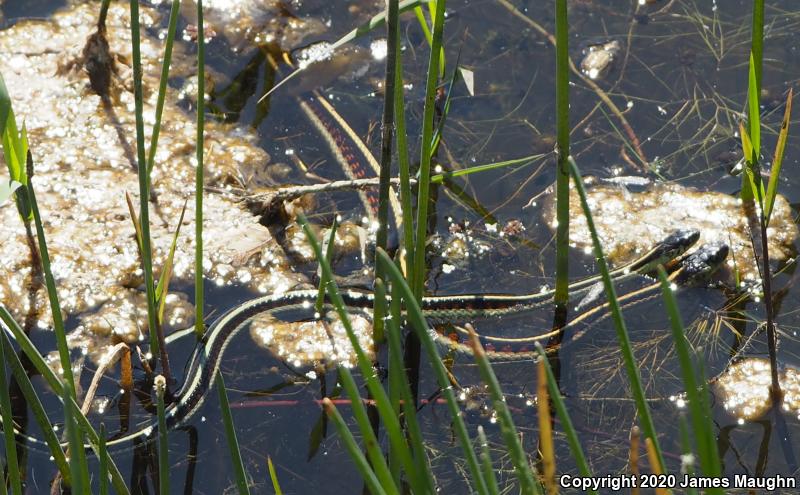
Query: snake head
<point x="702" y="263"/>
<point x="680" y="241"/>
<point x="672" y="246"/>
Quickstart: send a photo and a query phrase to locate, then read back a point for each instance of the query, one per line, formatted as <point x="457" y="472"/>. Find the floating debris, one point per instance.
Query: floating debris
<point x="83" y="149"/>
<point x="311" y="343"/>
<point x="745" y="385"/>
<point x="630" y="223"/>
<point x="598" y="59"/>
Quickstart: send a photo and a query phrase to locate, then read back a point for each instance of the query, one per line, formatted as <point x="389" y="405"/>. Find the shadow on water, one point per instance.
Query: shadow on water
<point x="681" y="81"/>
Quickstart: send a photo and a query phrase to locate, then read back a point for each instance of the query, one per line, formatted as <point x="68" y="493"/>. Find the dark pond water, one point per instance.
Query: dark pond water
<point x="680" y="79"/>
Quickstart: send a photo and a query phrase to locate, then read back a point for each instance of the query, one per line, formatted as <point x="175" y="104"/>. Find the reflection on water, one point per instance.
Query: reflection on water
<point x="745" y="389"/>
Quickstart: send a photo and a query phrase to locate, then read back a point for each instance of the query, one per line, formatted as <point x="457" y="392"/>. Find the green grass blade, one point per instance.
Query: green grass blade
<point x="144" y="181"/>
<point x="163" y="441"/>
<point x="420" y="326"/>
<point x="352" y="448"/>
<point x="162" y="289"/>
<point x="199" y="299"/>
<point x="562" y="170"/>
<point x="8" y="433"/>
<point x="701" y="416"/>
<point x="780" y="146"/>
<point x="525" y="475"/>
<point x="426" y="29"/>
<point x="686" y="451"/>
<point x="526" y="160"/>
<point x="13" y="147"/>
<point x="439" y="131"/>
<point x="563" y="415"/>
<point x="371" y="443"/>
<point x="423" y="24"/>
<point x="396" y="379"/>
<point x="11" y="136"/>
<point x="5" y="110"/>
<point x="276" y="486"/>
<point x="376" y="22"/>
<point x="379" y="395"/>
<point x="421" y="237"/>
<point x="79" y="469"/>
<point x="757" y="41"/>
<point x="55" y="383"/>
<point x="162" y="83"/>
<point x="403" y="389"/>
<point x="754" y="109"/>
<point x="25" y="385"/>
<point x="387" y="124"/>
<point x="751" y="179"/>
<point x="486" y="463"/>
<point x="230" y="434"/>
<point x="323" y="281"/>
<point x="78" y="466"/>
<point x="622" y="333"/>
<point x="407" y="241"/>
<point x="102" y="469"/>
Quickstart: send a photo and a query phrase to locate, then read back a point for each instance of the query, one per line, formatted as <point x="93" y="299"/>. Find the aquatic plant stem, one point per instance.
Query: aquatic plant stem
<point x="562" y="172"/>
<point x="198" y="185"/>
<point x="230" y="434"/>
<point x="79" y="474"/>
<point x="351" y="446"/>
<point x="407" y="242"/>
<point x="387" y="134"/>
<point x="420" y="240"/>
<point x="101" y="19"/>
<point x="772" y="336"/>
<point x="35" y="406"/>
<point x="144" y="184"/>
<point x="752" y="185"/>
<point x="526" y="476"/>
<point x="757" y="40"/>
<point x="486" y="463"/>
<point x="616" y="313"/>
<point x="400" y="388"/>
<point x="696" y="390"/>
<point x="58" y="386"/>
<point x="566" y="422"/>
<point x="390" y="420"/>
<point x="103" y="462"/>
<point x="9" y="437"/>
<point x="387" y="125"/>
<point x="421" y="329"/>
<point x="163" y="443"/>
<point x="163" y="80"/>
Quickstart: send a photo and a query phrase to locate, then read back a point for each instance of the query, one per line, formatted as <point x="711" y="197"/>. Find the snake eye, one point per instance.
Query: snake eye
<point x="685" y="237"/>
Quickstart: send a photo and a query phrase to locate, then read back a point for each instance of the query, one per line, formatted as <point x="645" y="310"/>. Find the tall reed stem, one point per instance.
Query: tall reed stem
<point x="144" y="181"/>
<point x="562" y="172"/>
<point x="198" y="185"/>
<point x="425" y="153"/>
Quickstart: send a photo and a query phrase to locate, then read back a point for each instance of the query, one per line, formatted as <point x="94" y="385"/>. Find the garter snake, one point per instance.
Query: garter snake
<point x="205" y="360"/>
<point x="695" y="267"/>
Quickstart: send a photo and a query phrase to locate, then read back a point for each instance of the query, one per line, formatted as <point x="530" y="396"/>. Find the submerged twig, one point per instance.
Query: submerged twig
<point x="268" y="201"/>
